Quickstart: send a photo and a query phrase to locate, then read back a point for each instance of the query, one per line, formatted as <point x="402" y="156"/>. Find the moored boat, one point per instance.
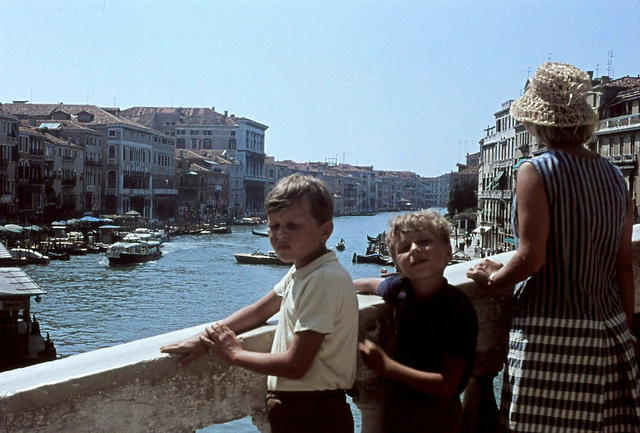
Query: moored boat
<point x="375" y="258"/>
<point x="260" y="233"/>
<point x="340" y="246"/>
<point x="259" y="258"/>
<point x="29" y="256"/>
<point x="20" y="338"/>
<point x="129" y="253"/>
<point x="221" y="229"/>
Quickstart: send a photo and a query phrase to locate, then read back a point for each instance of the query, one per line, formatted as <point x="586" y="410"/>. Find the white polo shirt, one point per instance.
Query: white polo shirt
<point x="319" y="297"/>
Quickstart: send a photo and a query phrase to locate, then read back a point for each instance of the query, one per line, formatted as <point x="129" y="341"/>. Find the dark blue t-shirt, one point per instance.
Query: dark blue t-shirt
<point x="425" y="330"/>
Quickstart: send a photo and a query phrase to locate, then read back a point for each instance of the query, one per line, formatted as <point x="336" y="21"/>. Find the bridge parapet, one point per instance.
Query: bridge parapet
<point x="132" y="387"/>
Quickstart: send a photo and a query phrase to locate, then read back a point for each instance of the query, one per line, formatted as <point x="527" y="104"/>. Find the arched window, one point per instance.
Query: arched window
<point x="112" y="152"/>
<point x="111" y="179"/>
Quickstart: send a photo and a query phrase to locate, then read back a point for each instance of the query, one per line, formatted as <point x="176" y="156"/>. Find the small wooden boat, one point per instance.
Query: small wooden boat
<point x="221" y="229"/>
<point x="58" y="255"/>
<point x="377" y="259"/>
<point x="259" y="258"/>
<point x="340" y="246"/>
<point x="29" y="256"/>
<point x="260" y="233"/>
<point x="21" y="341"/>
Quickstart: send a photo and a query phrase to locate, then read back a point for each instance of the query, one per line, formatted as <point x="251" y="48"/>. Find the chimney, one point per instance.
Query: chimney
<point x="226" y="113"/>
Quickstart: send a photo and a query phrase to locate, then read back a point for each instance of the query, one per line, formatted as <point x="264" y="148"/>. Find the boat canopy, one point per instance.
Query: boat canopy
<point x="15" y="282"/>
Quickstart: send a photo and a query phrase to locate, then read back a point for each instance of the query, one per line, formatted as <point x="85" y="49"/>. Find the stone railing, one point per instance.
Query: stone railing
<point x="133" y="388"/>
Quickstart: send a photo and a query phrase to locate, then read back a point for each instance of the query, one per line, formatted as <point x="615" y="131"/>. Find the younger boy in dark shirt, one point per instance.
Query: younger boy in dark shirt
<point x="435" y="328"/>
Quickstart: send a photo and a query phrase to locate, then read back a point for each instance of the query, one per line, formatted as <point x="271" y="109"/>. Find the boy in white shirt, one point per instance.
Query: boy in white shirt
<point x="313" y="357"/>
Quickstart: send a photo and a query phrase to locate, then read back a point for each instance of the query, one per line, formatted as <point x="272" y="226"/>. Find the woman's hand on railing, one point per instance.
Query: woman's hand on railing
<point x="483" y="272"/>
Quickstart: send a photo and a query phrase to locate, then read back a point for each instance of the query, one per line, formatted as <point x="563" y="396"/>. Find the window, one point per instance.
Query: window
<point x="632" y="145"/>
<point x="180" y="143"/>
<point x="112" y="133"/>
<point x="194" y="143"/>
<point x="194" y="132"/>
<point x="207" y="143"/>
<point x="180" y="131"/>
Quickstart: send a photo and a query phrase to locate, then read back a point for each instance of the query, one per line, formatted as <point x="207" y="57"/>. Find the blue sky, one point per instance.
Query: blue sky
<point x="400" y="85"/>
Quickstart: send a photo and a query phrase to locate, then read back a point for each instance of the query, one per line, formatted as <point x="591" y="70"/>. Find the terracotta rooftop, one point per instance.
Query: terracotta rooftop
<point x="624" y="83"/>
<point x="45" y="111"/>
<point x="185" y="116"/>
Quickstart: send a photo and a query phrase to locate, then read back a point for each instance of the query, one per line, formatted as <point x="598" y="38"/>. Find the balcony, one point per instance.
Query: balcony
<point x="93" y="162"/>
<point x="165" y="191"/>
<point x="617" y="124"/>
<point x="90" y="188"/>
<point x="505" y="194"/>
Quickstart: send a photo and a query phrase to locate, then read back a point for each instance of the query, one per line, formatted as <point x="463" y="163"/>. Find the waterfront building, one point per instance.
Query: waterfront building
<point x="618" y="134"/>
<point x="87" y="143"/>
<point x="203" y="187"/>
<point x="64" y="174"/>
<point x="504" y="144"/>
<point x="8" y="165"/>
<point x="464" y="184"/>
<point x="140" y="167"/>
<point x="443" y="189"/>
<point x="205" y="129"/>
<point x="30" y="175"/>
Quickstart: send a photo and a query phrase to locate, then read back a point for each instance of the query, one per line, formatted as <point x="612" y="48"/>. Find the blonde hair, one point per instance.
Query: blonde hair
<point x="294" y="188"/>
<point x="417" y="221"/>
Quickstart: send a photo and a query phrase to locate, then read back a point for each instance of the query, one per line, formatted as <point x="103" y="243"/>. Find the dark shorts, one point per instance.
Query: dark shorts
<point x="309" y="412"/>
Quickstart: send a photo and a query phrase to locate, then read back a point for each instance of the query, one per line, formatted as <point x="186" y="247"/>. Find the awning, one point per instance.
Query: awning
<point x="511" y="241"/>
<point x="481" y="229"/>
<point x="519" y="163"/>
<point x="496" y="180"/>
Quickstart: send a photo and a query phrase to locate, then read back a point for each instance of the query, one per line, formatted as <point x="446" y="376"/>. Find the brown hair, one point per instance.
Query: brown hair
<point x="557" y="136"/>
<point x="293" y="188"/>
<point x="416" y="221"/>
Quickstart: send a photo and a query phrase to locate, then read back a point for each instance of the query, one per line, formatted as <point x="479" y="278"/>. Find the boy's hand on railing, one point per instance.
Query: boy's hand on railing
<point x="223" y="340"/>
<point x="374" y="357"/>
<point x="192" y="348"/>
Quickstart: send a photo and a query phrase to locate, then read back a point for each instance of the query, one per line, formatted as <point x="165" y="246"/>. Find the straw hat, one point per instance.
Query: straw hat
<point x="556" y="97"/>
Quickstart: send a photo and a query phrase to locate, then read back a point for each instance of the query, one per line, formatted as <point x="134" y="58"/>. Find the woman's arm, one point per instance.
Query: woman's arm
<point x="624" y="268"/>
<point x="533" y="224"/>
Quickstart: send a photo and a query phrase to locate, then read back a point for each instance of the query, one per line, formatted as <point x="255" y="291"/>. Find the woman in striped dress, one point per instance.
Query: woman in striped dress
<point x="571" y="365"/>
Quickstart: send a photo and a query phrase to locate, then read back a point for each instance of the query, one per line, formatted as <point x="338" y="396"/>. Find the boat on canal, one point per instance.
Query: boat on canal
<point x="260" y="233"/>
<point x="20" y="338"/>
<point x="258" y="258"/>
<point x="340" y="246"/>
<point x="375" y="258"/>
<point x="29" y="256"/>
<point x="131" y="253"/>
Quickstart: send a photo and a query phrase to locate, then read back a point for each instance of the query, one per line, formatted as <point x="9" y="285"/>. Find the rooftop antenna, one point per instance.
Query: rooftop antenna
<point x="610" y="63"/>
<point x="549" y="57"/>
<point x="597" y="69"/>
<point x="114" y="101"/>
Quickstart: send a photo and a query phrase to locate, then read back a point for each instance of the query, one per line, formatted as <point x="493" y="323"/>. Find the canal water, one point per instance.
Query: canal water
<point x="90" y="305"/>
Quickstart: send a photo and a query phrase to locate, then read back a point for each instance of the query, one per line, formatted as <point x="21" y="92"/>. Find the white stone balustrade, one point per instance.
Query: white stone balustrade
<point x="134" y="388"/>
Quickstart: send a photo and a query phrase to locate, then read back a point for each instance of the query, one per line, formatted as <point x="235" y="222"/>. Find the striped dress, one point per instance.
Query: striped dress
<point x="571" y="365"/>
